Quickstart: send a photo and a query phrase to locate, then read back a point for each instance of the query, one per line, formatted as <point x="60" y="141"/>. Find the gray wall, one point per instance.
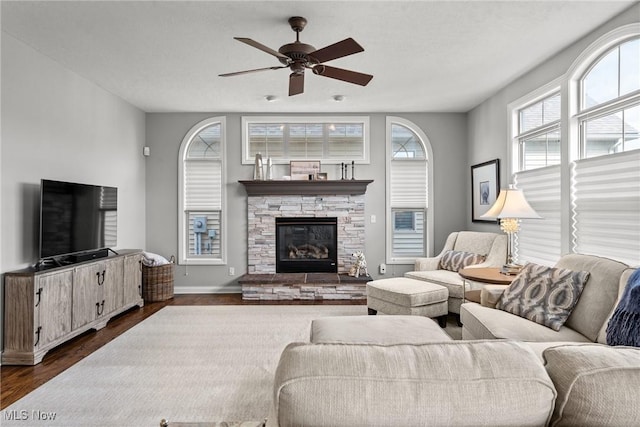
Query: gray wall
<point x="165" y="131"/>
<point x="489" y="135"/>
<point x="57" y="125"/>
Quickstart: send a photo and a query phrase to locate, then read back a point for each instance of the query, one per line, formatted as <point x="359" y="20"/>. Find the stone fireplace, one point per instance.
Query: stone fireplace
<point x="348" y="211"/>
<point x="300" y="238"/>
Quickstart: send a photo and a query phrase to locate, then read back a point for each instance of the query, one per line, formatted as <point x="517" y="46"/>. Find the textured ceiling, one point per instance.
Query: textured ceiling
<point x="424" y="55"/>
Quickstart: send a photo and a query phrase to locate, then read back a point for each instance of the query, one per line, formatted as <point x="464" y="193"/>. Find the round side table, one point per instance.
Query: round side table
<point x="482" y="275"/>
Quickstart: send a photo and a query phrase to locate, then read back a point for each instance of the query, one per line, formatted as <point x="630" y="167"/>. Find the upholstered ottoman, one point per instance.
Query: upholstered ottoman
<point x="403" y="295"/>
<point x="385" y="330"/>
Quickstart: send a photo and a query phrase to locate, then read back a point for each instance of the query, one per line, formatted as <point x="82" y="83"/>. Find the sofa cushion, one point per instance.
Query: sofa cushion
<point x="474" y="241"/>
<point x="488" y="323"/>
<point x="376" y="330"/>
<point x="406" y="292"/>
<point x="448" y="383"/>
<point x="597" y="385"/>
<point x="544" y="295"/>
<point x="455" y="260"/>
<point x="599" y="294"/>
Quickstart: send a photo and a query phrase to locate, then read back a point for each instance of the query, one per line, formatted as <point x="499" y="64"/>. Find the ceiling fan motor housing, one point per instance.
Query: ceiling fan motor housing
<point x="297" y="51"/>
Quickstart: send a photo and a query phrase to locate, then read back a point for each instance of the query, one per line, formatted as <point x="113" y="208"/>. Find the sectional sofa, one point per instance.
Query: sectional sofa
<point x="403" y="370"/>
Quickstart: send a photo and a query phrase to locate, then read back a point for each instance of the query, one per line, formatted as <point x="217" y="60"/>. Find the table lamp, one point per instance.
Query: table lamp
<point x="510" y="207"/>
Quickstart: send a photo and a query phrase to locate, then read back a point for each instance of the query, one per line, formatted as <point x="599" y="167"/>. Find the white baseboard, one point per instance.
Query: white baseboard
<point x="232" y="289"/>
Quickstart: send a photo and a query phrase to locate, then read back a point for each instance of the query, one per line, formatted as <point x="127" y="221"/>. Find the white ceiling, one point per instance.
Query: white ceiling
<point x="425" y="55"/>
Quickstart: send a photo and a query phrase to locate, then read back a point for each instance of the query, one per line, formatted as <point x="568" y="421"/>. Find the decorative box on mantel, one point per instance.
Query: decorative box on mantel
<point x="306" y="188"/>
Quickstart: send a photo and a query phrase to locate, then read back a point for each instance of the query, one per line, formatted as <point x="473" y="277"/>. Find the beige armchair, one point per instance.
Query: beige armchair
<point x="492" y="246"/>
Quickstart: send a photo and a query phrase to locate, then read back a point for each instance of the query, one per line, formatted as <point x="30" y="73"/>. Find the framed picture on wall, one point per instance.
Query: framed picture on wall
<point x="485" y="187"/>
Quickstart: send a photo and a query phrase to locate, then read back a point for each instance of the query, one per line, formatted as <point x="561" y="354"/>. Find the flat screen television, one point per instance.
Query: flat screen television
<point x="76" y="218"/>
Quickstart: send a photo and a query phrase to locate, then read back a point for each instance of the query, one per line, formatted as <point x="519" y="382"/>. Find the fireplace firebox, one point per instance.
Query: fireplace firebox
<point x="307" y="245"/>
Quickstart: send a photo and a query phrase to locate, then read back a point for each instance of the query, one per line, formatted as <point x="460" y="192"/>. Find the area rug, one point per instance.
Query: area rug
<point x="184" y="363"/>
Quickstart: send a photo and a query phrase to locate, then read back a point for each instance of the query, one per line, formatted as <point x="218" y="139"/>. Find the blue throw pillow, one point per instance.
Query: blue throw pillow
<point x="624" y="326"/>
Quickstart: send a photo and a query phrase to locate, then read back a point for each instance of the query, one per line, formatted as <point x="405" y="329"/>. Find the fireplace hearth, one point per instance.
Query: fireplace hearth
<point x="306" y="245"/>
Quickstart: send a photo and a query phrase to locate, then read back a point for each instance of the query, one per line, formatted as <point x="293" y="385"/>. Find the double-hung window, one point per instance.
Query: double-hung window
<point x="537" y="138"/>
<point x="408" y="223"/>
<point x="201" y="217"/>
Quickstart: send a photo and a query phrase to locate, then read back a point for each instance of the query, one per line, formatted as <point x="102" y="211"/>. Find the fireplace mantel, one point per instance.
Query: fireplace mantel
<point x="306" y="188"/>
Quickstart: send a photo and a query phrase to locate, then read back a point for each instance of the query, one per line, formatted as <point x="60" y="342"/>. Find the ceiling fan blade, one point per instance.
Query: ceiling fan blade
<point x="263" y="48"/>
<point x="296" y="84"/>
<point x="342" y="74"/>
<point x="337" y="50"/>
<point x="237" y="73"/>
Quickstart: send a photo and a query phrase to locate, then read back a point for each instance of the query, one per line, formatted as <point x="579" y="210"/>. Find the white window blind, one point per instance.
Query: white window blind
<point x="606" y="206"/>
<point x="203" y="189"/>
<point x="408" y="184"/>
<point x="539" y="240"/>
<point x="109" y="206"/>
<point x="329" y="139"/>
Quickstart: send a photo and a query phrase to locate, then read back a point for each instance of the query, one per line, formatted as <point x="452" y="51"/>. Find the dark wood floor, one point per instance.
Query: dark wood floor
<point x="17" y="381"/>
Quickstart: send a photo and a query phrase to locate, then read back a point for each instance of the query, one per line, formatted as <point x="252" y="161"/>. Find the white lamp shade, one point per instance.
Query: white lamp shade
<point x="511" y="204"/>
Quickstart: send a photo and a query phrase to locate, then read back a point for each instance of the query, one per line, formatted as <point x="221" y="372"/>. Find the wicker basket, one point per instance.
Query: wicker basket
<point x="157" y="282"/>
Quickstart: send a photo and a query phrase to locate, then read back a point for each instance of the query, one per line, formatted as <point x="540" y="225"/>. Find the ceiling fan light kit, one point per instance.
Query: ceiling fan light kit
<point x="298" y="57"/>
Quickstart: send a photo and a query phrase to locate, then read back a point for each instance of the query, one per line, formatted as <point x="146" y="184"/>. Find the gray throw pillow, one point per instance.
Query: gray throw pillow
<point x="545" y="295"/>
<point x="456" y="260"/>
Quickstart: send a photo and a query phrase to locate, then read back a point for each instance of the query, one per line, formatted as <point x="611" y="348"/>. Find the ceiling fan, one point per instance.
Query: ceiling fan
<point x="299" y="56"/>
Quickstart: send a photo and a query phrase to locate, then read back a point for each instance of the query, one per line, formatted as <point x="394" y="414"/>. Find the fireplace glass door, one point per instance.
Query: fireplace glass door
<point x="306" y="245"/>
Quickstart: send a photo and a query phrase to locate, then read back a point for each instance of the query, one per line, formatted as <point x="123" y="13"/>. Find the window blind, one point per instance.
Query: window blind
<point x="606" y="206"/>
<point x="202" y="185"/>
<point x="109" y="205"/>
<point x="408" y="184"/>
<point x="539" y="240"/>
<point x="312" y="140"/>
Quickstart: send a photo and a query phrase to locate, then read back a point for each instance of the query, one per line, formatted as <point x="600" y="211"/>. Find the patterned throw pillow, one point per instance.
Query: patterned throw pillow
<point x="456" y="260"/>
<point x="544" y="295"/>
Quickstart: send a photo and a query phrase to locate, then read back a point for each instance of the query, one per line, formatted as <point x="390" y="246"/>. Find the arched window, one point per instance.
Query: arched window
<point x="609" y="112"/>
<point x="605" y="196"/>
<point x="201" y="220"/>
<point x="409" y="226"/>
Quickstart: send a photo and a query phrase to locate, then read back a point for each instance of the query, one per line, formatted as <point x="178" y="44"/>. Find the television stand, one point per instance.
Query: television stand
<point x="45" y="308"/>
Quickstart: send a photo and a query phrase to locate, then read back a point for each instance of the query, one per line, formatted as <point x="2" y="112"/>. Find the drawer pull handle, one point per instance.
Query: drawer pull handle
<point x="100" y="277"/>
<point x="39" y="293"/>
<point x="38" y="331"/>
<point x="100" y="308"/>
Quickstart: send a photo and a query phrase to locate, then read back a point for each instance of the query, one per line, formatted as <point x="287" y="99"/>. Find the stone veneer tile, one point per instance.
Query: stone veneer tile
<point x="262" y="211"/>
